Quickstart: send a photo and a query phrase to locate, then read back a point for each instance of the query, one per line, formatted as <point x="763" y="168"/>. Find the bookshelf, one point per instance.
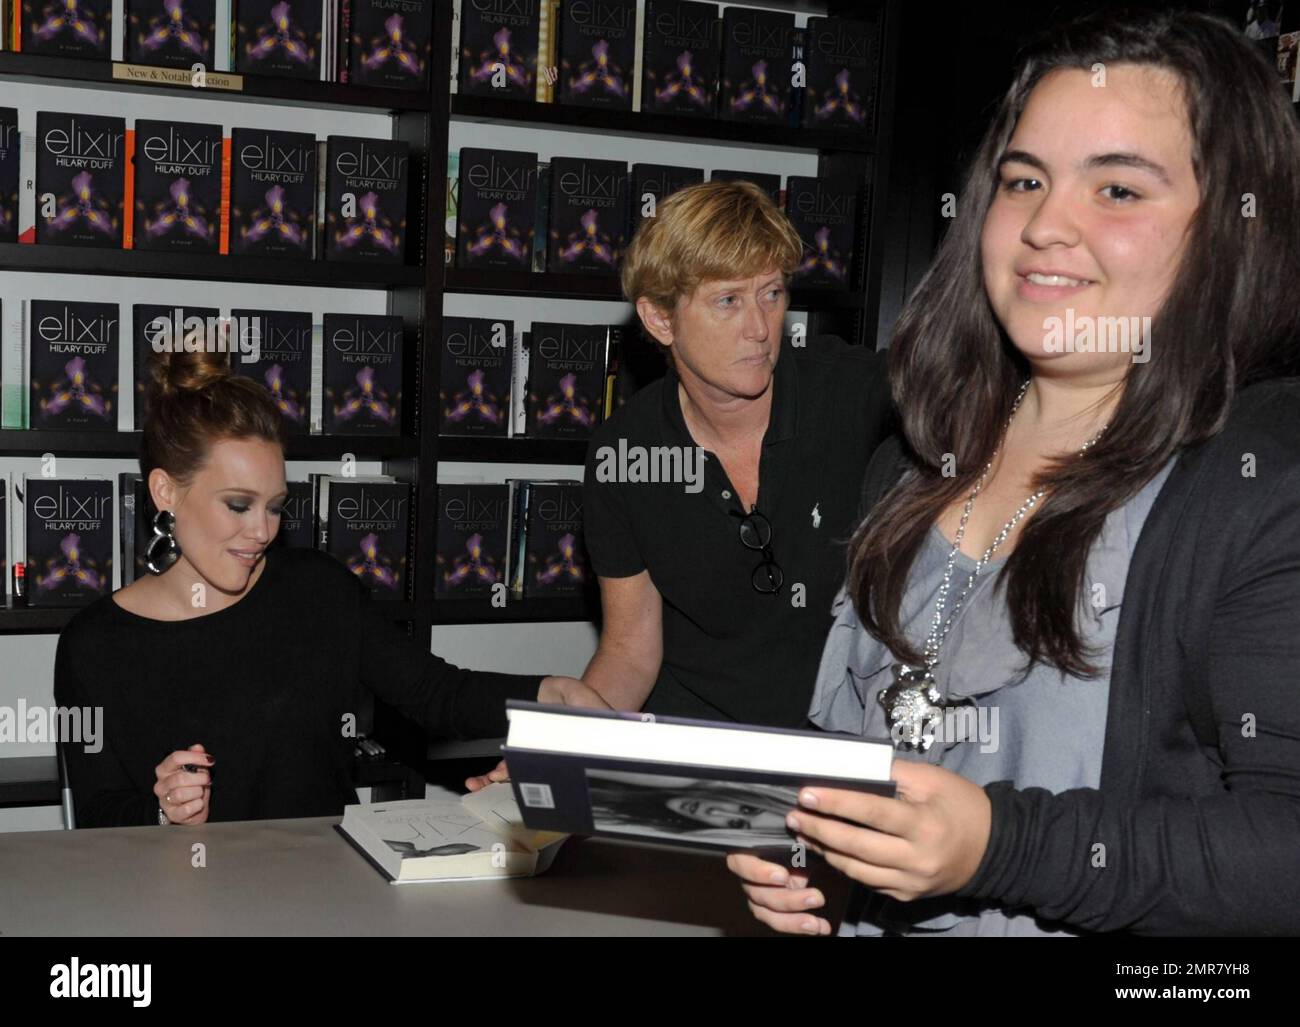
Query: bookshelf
<point x="423" y="288"/>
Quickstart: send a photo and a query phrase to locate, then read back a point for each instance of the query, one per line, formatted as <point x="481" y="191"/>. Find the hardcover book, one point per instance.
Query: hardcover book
<point x="279" y="343"/>
<point x="474" y="385"/>
<point x="498" y="48"/>
<point x="841" y="57"/>
<point x="365" y="199"/>
<point x="80" y="176"/>
<point x="272" y="193"/>
<point x="566" y="379"/>
<point x="757" y="52"/>
<point x="588" y="228"/>
<point x="771" y="184"/>
<point x="680" y="58"/>
<point x="160" y="328"/>
<point x="554" y="559"/>
<point x="10" y="163"/>
<point x="69" y="531"/>
<point x="362" y="374"/>
<point x="72" y="355"/>
<point x="471" y="540"/>
<point x="675" y="781"/>
<point x="597" y="50"/>
<point x="64" y="28"/>
<point x="824" y="213"/>
<point x="367" y="528"/>
<point x="390" y="43"/>
<point x="296" y="523"/>
<point x="653" y="183"/>
<point x="171" y="33"/>
<point x="278" y="37"/>
<point x="498" y="198"/>
<point x="177" y="186"/>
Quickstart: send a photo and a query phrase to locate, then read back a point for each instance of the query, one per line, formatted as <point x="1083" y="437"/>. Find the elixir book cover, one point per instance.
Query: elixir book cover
<point x="362" y="374"/>
<point x="80" y="179"/>
<point x="177" y="186"/>
<point x="281" y="342"/>
<point x="69" y="532"/>
<point x="474" y="387"/>
<point x="72" y="354"/>
<point x="365" y="199"/>
<point x="272" y="193"/>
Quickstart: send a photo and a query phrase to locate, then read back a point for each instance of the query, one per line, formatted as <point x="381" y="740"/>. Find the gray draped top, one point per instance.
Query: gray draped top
<point x="1034" y="726"/>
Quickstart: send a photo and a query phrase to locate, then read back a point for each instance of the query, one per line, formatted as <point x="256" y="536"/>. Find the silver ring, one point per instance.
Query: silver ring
<point x="167" y="798"/>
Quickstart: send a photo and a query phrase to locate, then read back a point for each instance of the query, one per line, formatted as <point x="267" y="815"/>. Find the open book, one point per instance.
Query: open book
<point x="674" y="781"/>
<point x="423" y="840"/>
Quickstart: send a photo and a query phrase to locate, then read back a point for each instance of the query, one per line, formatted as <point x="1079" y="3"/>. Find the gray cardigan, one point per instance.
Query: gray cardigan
<point x="1195" y="827"/>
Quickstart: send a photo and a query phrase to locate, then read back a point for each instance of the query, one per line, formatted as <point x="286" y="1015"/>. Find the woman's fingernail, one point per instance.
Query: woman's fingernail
<point x="792" y="822"/>
<point x="812" y="900"/>
<point x="809" y="799"/>
<point x="812" y="927"/>
<point x="778" y="877"/>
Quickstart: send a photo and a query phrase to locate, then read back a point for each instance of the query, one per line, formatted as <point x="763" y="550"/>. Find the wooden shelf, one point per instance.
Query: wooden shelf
<point x="561" y="285"/>
<point x="15" y="442"/>
<point x="92" y="260"/>
<point x="25" y="620"/>
<point x="291" y="92"/>
<point x="635" y="123"/>
<point x="513" y="451"/>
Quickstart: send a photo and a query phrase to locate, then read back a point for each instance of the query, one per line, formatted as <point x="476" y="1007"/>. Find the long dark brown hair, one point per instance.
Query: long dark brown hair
<point x="1231" y="317"/>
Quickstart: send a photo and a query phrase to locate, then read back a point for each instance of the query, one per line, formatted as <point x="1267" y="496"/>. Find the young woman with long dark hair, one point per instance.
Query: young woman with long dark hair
<point x="1090" y="541"/>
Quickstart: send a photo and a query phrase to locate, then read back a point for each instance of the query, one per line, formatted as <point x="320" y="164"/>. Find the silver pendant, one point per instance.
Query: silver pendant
<point x="911" y="703"/>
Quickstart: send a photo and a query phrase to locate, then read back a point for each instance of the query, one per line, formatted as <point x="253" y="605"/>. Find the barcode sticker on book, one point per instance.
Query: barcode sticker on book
<point x="537" y="796"/>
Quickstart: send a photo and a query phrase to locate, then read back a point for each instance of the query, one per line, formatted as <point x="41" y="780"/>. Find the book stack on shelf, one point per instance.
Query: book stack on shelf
<point x="373" y="43"/>
<point x="188" y="196"/>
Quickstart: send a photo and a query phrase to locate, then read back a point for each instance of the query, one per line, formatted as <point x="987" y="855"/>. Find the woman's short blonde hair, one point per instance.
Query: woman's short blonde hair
<point x="707" y="232"/>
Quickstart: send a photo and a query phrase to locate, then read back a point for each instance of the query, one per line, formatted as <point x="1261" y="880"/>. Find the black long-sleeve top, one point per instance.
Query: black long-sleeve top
<point x="1197" y="838"/>
<point x="265" y="685"/>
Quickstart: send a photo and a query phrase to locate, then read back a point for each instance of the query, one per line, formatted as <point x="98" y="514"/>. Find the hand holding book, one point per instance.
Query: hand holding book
<point x="927" y="841"/>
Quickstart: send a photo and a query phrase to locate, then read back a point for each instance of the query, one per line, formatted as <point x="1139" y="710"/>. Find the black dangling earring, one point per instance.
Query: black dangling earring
<point x="162" y="550"/>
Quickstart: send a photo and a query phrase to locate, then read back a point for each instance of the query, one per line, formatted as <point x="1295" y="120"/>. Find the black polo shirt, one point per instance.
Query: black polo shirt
<point x="730" y="652"/>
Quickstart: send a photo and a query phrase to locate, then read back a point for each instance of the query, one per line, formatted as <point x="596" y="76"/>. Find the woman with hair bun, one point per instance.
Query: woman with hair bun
<point x="234" y="651"/>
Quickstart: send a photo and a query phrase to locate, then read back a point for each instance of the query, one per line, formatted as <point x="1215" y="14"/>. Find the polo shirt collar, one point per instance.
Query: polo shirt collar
<point x="783" y="422"/>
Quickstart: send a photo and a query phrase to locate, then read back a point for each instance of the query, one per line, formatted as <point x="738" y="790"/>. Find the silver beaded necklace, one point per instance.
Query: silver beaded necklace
<point x="913" y="702"/>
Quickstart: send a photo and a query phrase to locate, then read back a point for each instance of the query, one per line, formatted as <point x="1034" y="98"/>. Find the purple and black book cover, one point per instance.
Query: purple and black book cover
<point x="588" y="229"/>
<point x="278" y="37"/>
<point x="824" y="213"/>
<point x="679" y="67"/>
<point x="391" y="42"/>
<point x="472" y="540"/>
<point x="757" y="53"/>
<point x="769" y="183"/>
<point x="72" y="356"/>
<point x="80" y="176"/>
<point x="177" y="186"/>
<point x="69" y="526"/>
<point x="281" y="341"/>
<point x="272" y="193"/>
<point x="842" y="59"/>
<point x="362" y="374"/>
<point x="365" y="199"/>
<point x="68" y="28"/>
<point x="555" y="561"/>
<point x="496" y="209"/>
<point x="10" y="163"/>
<point x="171" y="33"/>
<point x="162" y="328"/>
<point x="474" y="384"/>
<point x="566" y="379"/>
<point x="368" y="527"/>
<point x="597" y="53"/>
<point x="498" y="48"/>
<point x="654" y="183"/>
<point x="297" y="529"/>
